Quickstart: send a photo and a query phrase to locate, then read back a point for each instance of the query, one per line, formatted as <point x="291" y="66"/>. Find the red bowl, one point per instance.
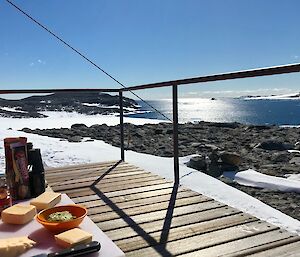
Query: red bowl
<point x="57" y="227"/>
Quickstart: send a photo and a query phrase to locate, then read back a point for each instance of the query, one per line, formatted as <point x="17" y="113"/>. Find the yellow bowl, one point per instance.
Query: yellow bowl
<point x="57" y="227"/>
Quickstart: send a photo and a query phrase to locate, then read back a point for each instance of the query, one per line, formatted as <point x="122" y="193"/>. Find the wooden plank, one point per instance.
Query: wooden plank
<point x="284" y="248"/>
<point x="110" y="175"/>
<point x="178" y="233"/>
<point x="138" y="202"/>
<point x="123" y="174"/>
<point x="87" y="166"/>
<point x="157" y="215"/>
<point x="88" y="191"/>
<point x="104" y="184"/>
<point x="206" y="240"/>
<point x="71" y="169"/>
<point x="185" y="219"/>
<point x="123" y="192"/>
<point x="77" y="193"/>
<point x="126" y="177"/>
<point x="81" y="166"/>
<point x="61" y="177"/>
<point x="239" y="245"/>
<point x="91" y="199"/>
<point x="119" y="166"/>
<point x="91" y="172"/>
<point x="106" y="178"/>
<point x="141" y="209"/>
<point x="95" y="171"/>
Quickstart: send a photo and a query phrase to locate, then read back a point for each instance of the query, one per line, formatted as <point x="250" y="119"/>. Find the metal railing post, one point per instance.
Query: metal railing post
<point x="175" y="133"/>
<point x="121" y="125"/>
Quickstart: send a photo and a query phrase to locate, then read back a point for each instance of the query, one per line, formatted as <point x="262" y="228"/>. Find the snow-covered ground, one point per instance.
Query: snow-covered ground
<point x="66" y="119"/>
<point x="292" y="96"/>
<point x="12" y="109"/>
<point x="253" y="178"/>
<point x="56" y="152"/>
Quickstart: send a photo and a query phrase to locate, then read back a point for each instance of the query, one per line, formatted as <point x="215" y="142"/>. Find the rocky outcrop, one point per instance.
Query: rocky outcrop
<point x="275" y="144"/>
<point x="235" y="145"/>
<point x="198" y="163"/>
<point x="219" y="147"/>
<point x="85" y="103"/>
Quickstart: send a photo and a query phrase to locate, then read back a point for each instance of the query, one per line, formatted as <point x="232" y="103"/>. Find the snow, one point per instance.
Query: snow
<point x="12" y="109"/>
<point x="293" y="96"/>
<point x="56" y="152"/>
<point x="108" y="106"/>
<point x="92" y="104"/>
<point x="66" y="119"/>
<point x="295" y="177"/>
<point x="293" y="151"/>
<point x="253" y="178"/>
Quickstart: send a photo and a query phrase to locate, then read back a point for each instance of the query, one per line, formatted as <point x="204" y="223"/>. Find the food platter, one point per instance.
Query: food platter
<point x="45" y="241"/>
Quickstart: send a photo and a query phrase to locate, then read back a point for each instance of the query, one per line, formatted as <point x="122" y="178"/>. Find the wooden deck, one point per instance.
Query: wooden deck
<point x="145" y="215"/>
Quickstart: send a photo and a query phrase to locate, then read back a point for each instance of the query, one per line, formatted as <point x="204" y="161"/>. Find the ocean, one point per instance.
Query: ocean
<point x="253" y="111"/>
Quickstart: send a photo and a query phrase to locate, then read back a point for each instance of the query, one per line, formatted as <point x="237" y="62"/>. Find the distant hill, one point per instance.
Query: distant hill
<point x="274" y="97"/>
<point x="85" y="103"/>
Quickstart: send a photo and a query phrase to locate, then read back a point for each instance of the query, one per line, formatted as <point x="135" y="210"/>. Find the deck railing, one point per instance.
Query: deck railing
<point x="174" y="84"/>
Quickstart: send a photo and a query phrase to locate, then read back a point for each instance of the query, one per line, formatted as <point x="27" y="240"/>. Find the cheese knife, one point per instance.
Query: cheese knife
<point x="77" y="250"/>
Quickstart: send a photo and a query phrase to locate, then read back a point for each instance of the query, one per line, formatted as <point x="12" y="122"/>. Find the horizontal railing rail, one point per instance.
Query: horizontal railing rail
<point x="275" y="70"/>
<point x="268" y="71"/>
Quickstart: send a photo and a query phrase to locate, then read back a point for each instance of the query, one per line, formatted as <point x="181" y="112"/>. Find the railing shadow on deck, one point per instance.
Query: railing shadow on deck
<point x="157" y="245"/>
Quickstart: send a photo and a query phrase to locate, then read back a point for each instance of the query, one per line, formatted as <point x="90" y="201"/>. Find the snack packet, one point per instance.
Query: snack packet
<point x="16" y="171"/>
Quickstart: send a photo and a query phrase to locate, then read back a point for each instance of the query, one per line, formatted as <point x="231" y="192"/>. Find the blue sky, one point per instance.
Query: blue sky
<point x="149" y="41"/>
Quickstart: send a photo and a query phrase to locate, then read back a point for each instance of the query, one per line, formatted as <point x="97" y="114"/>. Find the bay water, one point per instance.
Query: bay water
<point x="253" y="111"/>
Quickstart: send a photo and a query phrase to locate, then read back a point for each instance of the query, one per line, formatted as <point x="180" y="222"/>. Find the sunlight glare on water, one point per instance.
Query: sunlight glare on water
<point x="197" y="109"/>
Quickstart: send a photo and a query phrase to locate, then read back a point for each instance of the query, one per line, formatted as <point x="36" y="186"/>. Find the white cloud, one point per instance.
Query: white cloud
<point x="38" y="62"/>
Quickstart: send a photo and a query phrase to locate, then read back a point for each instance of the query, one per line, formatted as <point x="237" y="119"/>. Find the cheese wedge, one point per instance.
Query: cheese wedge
<point x="18" y="214"/>
<point x="12" y="247"/>
<point x="73" y="237"/>
<point x="46" y="200"/>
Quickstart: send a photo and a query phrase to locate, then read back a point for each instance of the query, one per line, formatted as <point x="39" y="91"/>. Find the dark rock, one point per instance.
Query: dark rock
<point x="231" y="125"/>
<point x="169" y="131"/>
<point x="230" y="158"/>
<point x="79" y="126"/>
<point x="214" y="157"/>
<point x="260" y="127"/>
<point x="75" y="139"/>
<point x="281" y="157"/>
<point x="158" y="131"/>
<point x="295" y="160"/>
<point x="273" y="144"/>
<point x="197" y="162"/>
<point x="214" y="170"/>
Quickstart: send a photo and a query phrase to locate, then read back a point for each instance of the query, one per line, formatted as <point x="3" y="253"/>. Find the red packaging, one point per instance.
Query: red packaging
<point x="17" y="176"/>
